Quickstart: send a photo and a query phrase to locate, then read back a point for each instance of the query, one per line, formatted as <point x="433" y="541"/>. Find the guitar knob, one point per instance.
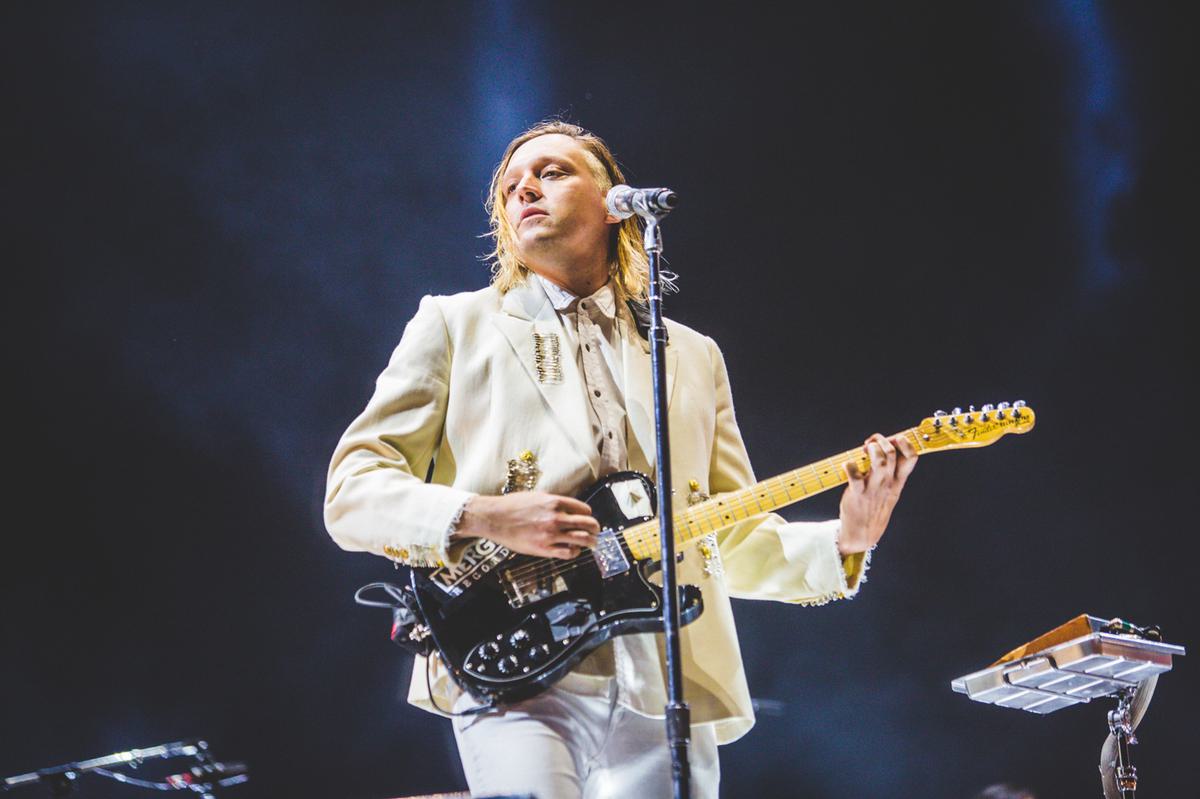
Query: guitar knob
<point x="534" y="653"/>
<point x="508" y="665"/>
<point x="519" y="637"/>
<point x="489" y="650"/>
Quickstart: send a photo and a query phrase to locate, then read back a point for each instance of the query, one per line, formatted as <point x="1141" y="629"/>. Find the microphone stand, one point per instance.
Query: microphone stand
<point x="678" y="714"/>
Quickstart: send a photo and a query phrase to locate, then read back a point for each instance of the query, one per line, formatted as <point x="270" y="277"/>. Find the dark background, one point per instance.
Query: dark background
<point x="221" y="216"/>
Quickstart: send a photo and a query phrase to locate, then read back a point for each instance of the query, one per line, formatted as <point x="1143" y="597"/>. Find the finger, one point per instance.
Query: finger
<point x="855" y="475"/>
<point x="579" y="538"/>
<point x="564" y="551"/>
<point x="907" y="450"/>
<point x="572" y="505"/>
<point x="906" y="459"/>
<point x="879" y="464"/>
<point x="555" y="546"/>
<point x="569" y="522"/>
<point x="888" y="458"/>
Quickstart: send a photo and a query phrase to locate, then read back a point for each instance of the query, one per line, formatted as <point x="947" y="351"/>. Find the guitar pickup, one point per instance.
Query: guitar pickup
<point x="525" y="586"/>
<point x="610" y="558"/>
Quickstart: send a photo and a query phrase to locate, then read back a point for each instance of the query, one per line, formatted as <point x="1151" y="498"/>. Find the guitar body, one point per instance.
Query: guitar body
<point x="508" y="626"/>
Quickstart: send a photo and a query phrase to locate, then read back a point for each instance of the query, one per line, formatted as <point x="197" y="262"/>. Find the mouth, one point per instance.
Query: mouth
<point x="531" y="211"/>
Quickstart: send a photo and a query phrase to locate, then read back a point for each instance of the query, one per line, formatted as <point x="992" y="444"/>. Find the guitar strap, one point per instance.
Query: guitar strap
<point x="641" y="318"/>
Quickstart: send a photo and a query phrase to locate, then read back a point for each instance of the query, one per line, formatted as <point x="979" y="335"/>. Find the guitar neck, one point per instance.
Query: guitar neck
<point x="726" y="509"/>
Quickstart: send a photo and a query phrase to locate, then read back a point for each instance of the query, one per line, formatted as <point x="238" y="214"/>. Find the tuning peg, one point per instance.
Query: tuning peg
<point x="1003" y="406"/>
<point x="1019" y="404"/>
<point x="955" y="411"/>
<point x="987" y="408"/>
<point x="939" y="413"/>
<point x="970" y="409"/>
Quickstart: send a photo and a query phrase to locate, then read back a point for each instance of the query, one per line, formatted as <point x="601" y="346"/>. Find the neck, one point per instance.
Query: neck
<point x="580" y="282"/>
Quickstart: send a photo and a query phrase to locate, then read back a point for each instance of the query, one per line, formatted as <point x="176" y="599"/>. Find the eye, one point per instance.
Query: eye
<point x="552" y="171"/>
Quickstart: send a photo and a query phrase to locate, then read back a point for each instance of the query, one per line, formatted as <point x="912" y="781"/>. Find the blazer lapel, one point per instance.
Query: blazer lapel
<point x="526" y="310"/>
<point x="639" y="387"/>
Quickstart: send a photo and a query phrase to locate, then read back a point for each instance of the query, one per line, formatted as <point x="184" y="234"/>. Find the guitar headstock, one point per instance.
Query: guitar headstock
<point x="974" y="428"/>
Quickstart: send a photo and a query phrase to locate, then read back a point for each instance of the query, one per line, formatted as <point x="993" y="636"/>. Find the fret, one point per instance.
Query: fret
<point x="817" y="475"/>
<point x="756" y="497"/>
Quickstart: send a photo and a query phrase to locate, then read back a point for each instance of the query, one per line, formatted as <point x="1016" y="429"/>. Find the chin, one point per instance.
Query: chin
<point x="534" y="239"/>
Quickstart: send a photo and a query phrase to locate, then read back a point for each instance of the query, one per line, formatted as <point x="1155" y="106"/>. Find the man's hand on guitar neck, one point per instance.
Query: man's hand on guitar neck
<point x="530" y="522"/>
<point x="870" y="497"/>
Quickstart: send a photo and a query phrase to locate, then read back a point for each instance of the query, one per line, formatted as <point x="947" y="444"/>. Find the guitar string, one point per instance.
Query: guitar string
<point x="544" y="568"/>
<point x="551" y="568"/>
<point x="737" y="499"/>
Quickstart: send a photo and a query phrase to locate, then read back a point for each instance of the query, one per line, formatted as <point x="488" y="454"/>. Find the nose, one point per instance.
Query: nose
<point x="529" y="189"/>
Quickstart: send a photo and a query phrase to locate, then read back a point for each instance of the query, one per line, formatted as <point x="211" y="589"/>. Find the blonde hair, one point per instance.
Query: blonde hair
<point x="627" y="262"/>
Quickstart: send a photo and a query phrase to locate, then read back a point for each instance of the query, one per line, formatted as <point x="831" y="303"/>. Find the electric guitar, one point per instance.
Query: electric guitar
<point x="508" y="626"/>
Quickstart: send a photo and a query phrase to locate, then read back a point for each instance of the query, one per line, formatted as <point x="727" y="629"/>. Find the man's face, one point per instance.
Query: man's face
<point x="553" y="203"/>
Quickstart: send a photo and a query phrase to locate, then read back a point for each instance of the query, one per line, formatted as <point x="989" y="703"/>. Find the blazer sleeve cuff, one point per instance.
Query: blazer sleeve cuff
<point x="831" y="574"/>
<point x="420" y="538"/>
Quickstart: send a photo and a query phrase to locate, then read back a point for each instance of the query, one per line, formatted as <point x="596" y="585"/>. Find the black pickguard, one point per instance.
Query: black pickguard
<point x="503" y="645"/>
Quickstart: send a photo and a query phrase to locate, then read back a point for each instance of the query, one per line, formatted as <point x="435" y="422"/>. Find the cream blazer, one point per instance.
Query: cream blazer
<point x="462" y="392"/>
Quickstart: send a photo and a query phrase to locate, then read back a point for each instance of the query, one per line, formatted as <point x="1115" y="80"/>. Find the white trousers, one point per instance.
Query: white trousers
<point x="575" y="741"/>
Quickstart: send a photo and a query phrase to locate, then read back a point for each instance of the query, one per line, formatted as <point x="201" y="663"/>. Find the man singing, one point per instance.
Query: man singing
<point x="541" y="382"/>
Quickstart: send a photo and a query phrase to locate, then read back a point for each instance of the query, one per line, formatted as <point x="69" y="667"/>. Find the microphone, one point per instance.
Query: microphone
<point x="623" y="201"/>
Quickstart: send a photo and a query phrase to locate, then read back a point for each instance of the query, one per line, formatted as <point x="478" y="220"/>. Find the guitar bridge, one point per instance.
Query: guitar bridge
<point x="609" y="555"/>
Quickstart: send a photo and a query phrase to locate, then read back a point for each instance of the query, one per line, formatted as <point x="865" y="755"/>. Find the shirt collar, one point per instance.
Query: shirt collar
<point x="561" y="299"/>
